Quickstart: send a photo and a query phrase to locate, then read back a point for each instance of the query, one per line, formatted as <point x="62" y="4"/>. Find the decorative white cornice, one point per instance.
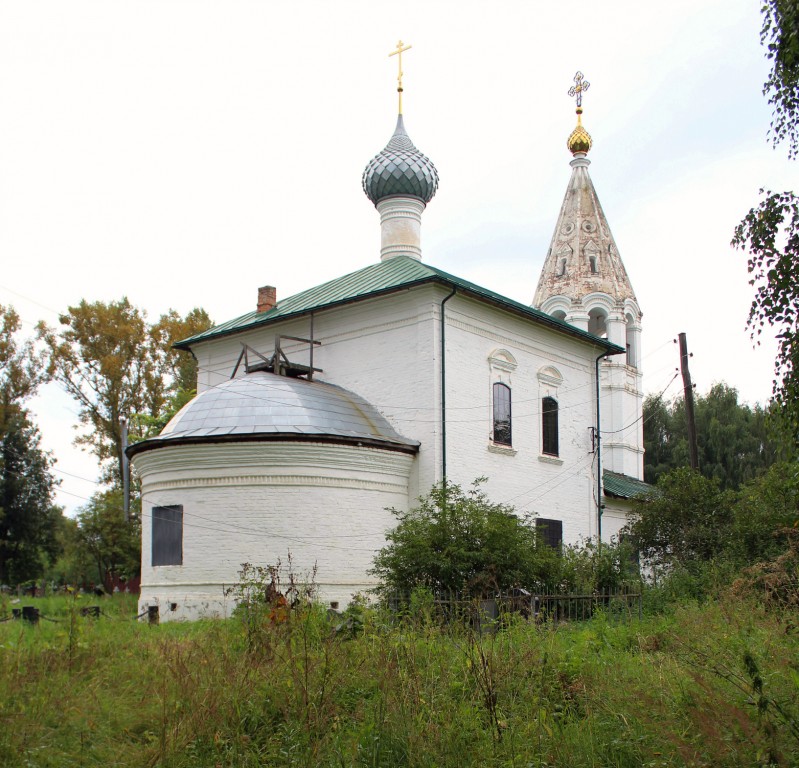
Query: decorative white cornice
<point x="550" y="375"/>
<point x="241" y="456"/>
<point x="314" y="481"/>
<point x="502" y="360"/>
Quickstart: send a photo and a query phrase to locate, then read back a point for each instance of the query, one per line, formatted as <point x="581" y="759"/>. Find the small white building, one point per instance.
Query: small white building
<point x="317" y="412"/>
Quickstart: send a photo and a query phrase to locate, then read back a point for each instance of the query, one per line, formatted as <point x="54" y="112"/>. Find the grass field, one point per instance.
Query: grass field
<point x="710" y="685"/>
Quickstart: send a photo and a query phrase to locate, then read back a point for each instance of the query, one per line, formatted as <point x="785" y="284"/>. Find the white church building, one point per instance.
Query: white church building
<point x="317" y="412"/>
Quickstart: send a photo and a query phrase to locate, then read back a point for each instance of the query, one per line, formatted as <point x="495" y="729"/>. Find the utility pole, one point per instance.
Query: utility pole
<point x="123" y="423"/>
<point x="688" y="389"/>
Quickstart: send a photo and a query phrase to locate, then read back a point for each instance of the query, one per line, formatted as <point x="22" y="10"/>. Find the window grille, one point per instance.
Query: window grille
<point x="550" y="532"/>
<point x="167" y="543"/>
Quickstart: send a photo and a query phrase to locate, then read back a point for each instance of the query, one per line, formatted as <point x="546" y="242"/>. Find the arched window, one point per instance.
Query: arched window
<point x="549" y="426"/>
<point x="502" y="426"/>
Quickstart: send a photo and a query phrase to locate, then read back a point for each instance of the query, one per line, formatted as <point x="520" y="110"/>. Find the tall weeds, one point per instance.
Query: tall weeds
<point x="367" y="689"/>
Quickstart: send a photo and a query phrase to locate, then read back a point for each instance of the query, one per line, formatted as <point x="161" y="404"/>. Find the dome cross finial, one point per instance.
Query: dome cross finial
<point x="580" y="85"/>
<point x="579" y="141"/>
<point x="401" y="48"/>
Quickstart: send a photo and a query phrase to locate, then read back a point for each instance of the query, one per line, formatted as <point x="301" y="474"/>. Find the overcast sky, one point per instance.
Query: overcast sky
<point x="185" y="153"/>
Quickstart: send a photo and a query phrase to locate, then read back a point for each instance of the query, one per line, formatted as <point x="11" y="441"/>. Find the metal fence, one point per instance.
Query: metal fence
<point x="617" y="605"/>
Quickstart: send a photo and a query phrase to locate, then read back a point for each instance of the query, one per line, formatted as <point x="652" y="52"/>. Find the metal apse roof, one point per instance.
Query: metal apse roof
<point x="264" y="406"/>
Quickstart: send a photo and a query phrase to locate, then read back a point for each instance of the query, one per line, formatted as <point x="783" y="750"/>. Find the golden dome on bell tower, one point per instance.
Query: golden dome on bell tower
<point x="579" y="140"/>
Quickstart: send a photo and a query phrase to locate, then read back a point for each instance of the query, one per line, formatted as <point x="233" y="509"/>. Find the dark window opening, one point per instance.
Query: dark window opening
<point x="502" y="426"/>
<point x="550" y="532"/>
<point x="549" y="426"/>
<point x="592" y="263"/>
<point x="167" y="535"/>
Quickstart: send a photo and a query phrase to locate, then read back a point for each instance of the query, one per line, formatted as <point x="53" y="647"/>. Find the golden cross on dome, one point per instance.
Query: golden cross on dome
<point x="401" y="48"/>
<point x="579" y="86"/>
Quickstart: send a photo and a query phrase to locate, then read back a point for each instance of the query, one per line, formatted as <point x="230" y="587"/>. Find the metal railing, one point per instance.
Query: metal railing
<point x="616" y="604"/>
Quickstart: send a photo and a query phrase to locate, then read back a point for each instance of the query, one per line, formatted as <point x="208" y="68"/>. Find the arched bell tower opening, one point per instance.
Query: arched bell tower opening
<point x="598" y="322"/>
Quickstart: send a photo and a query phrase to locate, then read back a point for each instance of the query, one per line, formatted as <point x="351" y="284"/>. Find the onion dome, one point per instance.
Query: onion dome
<point x="400" y="170"/>
<point x="579" y="142"/>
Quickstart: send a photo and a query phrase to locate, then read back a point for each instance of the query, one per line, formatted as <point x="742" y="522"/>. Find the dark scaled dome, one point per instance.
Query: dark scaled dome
<point x="400" y="169"/>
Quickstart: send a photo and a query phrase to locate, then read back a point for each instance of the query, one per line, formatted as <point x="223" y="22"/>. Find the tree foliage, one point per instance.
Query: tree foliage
<point x="22" y="369"/>
<point x="764" y="510"/>
<point x="688" y="521"/>
<point x="682" y="521"/>
<point x="28" y="518"/>
<point x="113" y="542"/>
<point x="735" y="441"/>
<point x="459" y="541"/>
<point x="770" y="235"/>
<point x="780" y="35"/>
<point x="770" y="231"/>
<point x="114" y="363"/>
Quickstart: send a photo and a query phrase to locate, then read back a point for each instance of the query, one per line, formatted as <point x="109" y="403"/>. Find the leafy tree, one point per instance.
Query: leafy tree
<point x="22" y="369"/>
<point x="113" y="542"/>
<point x="115" y="364"/>
<point x="770" y="234"/>
<point x="686" y="520"/>
<point x="459" y="541"/>
<point x="27" y="515"/>
<point x="74" y="564"/>
<point x="780" y="35"/>
<point x="181" y="367"/>
<point x="764" y="510"/>
<point x="770" y="231"/>
<point x="735" y="443"/>
<point x="28" y="518"/>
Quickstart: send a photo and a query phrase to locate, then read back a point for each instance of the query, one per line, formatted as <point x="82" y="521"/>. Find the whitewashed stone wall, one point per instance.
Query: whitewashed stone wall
<point x="388" y="351"/>
<point x="546" y="364"/>
<point x="256" y="502"/>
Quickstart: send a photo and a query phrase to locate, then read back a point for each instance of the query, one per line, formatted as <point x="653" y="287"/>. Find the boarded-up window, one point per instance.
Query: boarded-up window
<point x="549" y="426"/>
<point x="550" y="532"/>
<point x="167" y="535"/>
<point x="502" y="431"/>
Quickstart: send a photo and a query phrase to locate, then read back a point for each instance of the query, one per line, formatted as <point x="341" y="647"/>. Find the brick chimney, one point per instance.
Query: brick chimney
<point x="267" y="298"/>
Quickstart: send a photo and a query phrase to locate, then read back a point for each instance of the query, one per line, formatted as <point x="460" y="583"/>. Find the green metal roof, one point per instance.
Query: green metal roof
<point x="398" y="273"/>
<point x="624" y="486"/>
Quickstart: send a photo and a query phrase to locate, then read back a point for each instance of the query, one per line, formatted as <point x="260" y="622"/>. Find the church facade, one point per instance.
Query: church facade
<point x="317" y="413"/>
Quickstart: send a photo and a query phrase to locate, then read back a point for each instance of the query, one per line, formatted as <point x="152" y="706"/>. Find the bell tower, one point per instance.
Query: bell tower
<point x="584" y="282"/>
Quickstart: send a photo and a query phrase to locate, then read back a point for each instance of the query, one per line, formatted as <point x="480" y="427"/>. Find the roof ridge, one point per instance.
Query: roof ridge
<point x="377" y="279"/>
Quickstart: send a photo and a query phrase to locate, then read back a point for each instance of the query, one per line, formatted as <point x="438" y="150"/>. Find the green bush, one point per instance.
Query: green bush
<point x="459" y="541"/>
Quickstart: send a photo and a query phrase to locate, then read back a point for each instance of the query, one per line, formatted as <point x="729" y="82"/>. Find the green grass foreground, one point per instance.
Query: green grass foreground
<point x="709" y="685"/>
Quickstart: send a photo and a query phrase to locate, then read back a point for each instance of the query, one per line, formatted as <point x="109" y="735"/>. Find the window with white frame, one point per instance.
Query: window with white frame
<point x="549" y="426"/>
<point x="549" y="382"/>
<point x="501" y="365"/>
<point x="502" y="414"/>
